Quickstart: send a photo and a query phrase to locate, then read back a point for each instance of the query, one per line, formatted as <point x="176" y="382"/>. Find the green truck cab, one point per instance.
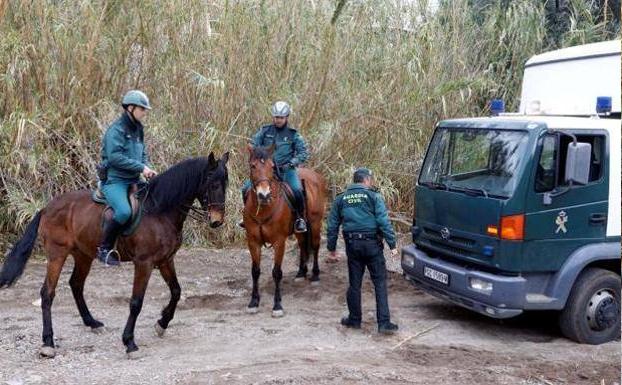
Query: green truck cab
<point x="521" y="211"/>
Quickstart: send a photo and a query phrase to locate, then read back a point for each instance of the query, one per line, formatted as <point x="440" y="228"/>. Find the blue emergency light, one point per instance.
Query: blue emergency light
<point x="603" y="104"/>
<point x="497" y="106"/>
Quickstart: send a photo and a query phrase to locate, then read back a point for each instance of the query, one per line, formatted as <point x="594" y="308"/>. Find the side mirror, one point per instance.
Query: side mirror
<point x="578" y="163"/>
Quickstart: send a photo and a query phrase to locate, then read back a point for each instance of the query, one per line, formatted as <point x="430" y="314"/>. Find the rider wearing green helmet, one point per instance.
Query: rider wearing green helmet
<point x="124" y="157"/>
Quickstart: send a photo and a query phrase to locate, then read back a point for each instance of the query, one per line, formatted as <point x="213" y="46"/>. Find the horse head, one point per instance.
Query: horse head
<point x="261" y="172"/>
<point x="212" y="191"/>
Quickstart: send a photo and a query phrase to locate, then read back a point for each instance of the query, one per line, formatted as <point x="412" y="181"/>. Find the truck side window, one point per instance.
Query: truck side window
<point x="546" y="172"/>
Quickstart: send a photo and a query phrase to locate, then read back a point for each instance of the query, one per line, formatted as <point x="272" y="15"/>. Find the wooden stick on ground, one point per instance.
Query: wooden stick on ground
<point x="414" y="336"/>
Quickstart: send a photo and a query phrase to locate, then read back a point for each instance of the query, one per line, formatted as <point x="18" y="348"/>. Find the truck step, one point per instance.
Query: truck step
<point x="539" y="298"/>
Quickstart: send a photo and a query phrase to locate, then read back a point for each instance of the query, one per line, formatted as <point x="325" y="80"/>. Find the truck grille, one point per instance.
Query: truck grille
<point x="458" y="241"/>
<point x="442" y="247"/>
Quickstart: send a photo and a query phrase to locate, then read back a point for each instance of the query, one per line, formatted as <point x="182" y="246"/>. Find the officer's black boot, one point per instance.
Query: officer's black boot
<point x="349" y="323"/>
<point x="387" y="328"/>
<point x="300" y="226"/>
<point x="241" y="221"/>
<point x="105" y="252"/>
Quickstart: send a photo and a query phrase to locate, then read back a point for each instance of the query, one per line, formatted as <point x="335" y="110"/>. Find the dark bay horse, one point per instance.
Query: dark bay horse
<point x="71" y="224"/>
<point x="269" y="220"/>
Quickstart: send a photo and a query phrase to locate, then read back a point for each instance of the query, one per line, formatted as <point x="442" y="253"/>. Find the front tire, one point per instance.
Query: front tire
<point x="592" y="312"/>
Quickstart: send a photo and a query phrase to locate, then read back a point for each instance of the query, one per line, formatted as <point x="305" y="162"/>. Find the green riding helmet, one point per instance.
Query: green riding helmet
<point x="137" y="98"/>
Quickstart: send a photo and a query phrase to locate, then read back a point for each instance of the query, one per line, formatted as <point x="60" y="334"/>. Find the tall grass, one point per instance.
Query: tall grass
<point x="367" y="81"/>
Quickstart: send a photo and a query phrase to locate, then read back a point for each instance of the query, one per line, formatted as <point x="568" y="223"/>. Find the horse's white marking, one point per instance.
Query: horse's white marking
<point x="263" y="191"/>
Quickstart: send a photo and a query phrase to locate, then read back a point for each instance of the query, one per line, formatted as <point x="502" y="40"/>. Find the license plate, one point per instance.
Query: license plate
<point x="436" y="275"/>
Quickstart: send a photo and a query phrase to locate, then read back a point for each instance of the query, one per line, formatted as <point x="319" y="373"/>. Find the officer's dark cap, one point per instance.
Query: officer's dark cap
<point x="360" y="174"/>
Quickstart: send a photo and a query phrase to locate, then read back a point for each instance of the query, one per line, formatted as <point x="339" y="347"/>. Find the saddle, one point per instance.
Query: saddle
<point x="136" y="198"/>
<point x="288" y="194"/>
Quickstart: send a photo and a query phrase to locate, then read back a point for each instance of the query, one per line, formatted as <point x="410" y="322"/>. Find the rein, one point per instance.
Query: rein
<point x="198" y="213"/>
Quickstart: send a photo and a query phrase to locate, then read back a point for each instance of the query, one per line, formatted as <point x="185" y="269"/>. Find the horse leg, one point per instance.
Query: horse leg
<point x="304" y="258"/>
<point x="167" y="270"/>
<point x="56" y="260"/>
<point x="277" y="275"/>
<point x="81" y="270"/>
<point x="315" y="246"/>
<point x="142" y="272"/>
<point x="255" y="250"/>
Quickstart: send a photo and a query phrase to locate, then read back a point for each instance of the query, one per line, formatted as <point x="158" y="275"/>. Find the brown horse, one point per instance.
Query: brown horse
<point x="71" y="224"/>
<point x="268" y="219"/>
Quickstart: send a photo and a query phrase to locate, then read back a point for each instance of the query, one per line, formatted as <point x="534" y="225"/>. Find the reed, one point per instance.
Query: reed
<point x="367" y="81"/>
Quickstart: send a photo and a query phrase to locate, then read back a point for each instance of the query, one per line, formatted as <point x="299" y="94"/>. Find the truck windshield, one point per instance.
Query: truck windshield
<point x="474" y="161"/>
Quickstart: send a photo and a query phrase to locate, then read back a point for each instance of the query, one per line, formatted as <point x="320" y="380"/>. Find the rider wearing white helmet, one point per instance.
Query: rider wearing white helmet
<point x="290" y="152"/>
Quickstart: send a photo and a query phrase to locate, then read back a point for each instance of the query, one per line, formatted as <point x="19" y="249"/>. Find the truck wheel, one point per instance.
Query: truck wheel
<point x="592" y="312"/>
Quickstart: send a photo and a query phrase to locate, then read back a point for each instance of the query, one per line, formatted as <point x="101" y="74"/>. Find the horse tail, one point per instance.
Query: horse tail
<point x="17" y="258"/>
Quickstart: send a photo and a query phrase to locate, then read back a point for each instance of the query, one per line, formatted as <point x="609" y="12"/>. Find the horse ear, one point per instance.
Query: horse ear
<point x="211" y="160"/>
<point x="225" y="157"/>
<point x="249" y="148"/>
<point x="271" y="149"/>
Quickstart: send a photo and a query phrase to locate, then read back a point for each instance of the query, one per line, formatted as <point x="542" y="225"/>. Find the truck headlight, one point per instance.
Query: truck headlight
<point x="408" y="260"/>
<point x="480" y="285"/>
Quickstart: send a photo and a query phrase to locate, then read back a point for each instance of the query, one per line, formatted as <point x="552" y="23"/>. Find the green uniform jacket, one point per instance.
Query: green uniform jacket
<point x="359" y="209"/>
<point x="123" y="150"/>
<point x="290" y="147"/>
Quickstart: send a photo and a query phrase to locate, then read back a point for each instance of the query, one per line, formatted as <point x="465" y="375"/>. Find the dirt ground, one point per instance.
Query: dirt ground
<point x="212" y="340"/>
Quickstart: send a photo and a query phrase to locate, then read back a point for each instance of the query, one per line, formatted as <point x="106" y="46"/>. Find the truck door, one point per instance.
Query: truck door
<point x="576" y="215"/>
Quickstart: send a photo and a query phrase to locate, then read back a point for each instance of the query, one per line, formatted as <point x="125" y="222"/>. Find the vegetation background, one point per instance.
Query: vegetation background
<point x="367" y="80"/>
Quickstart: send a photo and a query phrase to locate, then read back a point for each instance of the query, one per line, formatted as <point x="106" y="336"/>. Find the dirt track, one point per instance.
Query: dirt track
<point x="213" y="340"/>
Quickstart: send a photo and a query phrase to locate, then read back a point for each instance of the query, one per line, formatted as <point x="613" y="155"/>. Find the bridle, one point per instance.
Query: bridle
<point x="200" y="213"/>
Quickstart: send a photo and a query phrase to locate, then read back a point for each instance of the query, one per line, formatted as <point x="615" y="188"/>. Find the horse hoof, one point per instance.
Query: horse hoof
<point x="299" y="279"/>
<point x="133" y="355"/>
<point x="252" y="310"/>
<point x="277" y="313"/>
<point x="315" y="283"/>
<point x="159" y="330"/>
<point x="47" y="352"/>
<point x="94" y="324"/>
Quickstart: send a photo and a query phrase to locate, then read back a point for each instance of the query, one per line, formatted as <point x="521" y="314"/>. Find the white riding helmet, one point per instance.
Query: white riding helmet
<point x="280" y="109"/>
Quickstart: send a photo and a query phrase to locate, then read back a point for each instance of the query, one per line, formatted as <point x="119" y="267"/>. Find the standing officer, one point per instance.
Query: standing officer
<point x="365" y="221"/>
<point x="290" y="152"/>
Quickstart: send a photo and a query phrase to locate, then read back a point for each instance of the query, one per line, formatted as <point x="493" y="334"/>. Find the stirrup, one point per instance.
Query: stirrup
<point x="300" y="226"/>
<point x="109" y="259"/>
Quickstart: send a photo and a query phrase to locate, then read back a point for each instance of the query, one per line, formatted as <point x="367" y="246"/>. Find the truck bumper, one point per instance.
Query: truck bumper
<point x="505" y="299"/>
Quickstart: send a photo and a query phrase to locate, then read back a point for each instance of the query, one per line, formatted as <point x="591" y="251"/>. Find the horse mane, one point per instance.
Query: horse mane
<point x="261" y="153"/>
<point x="177" y="185"/>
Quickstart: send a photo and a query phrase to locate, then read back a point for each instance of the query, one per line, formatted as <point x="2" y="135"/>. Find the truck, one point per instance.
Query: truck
<point x="520" y="211"/>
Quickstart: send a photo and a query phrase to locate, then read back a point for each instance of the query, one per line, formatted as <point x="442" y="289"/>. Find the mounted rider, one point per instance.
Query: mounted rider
<point x="124" y="159"/>
<point x="290" y="152"/>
